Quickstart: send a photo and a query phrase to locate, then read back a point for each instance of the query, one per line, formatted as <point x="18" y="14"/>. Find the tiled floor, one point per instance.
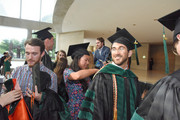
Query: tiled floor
<point x="150" y="76"/>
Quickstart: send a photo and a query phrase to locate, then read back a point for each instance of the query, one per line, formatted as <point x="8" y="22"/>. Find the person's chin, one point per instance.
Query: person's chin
<point x="117" y="62"/>
<point x="30" y="65"/>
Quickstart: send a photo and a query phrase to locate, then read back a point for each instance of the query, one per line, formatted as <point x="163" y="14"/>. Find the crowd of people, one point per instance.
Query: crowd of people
<point x="94" y="86"/>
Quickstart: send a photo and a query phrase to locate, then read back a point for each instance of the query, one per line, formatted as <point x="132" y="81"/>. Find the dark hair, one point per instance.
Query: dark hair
<point x="35" y="42"/>
<point x="59" y="69"/>
<point x="5" y="53"/>
<point x="75" y="67"/>
<point x="101" y="39"/>
<point x="174" y="43"/>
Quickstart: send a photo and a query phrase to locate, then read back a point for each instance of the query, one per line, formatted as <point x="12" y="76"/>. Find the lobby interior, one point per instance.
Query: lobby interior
<point x="77" y="21"/>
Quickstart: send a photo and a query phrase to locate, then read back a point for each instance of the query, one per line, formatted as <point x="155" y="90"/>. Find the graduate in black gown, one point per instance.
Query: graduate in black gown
<point x="115" y="91"/>
<point x="48" y="39"/>
<point x="51" y="106"/>
<point x="162" y="102"/>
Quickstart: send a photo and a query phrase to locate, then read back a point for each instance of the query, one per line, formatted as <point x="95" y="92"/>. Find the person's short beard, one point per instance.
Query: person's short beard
<point x="34" y="63"/>
<point x="122" y="62"/>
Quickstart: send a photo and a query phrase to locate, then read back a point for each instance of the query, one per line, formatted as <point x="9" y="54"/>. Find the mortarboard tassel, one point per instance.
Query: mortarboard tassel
<point x="165" y="53"/>
<point x="135" y="44"/>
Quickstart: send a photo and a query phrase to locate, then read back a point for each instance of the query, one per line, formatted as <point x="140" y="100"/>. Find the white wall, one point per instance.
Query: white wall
<point x="69" y="38"/>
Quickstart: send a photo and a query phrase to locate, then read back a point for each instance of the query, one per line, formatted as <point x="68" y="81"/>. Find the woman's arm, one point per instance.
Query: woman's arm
<point x="81" y="74"/>
<point x="7" y="58"/>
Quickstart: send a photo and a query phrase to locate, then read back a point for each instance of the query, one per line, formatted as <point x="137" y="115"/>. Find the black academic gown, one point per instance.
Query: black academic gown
<point x="98" y="103"/>
<point x="51" y="107"/>
<point x="46" y="59"/>
<point x="3" y="113"/>
<point x="162" y="102"/>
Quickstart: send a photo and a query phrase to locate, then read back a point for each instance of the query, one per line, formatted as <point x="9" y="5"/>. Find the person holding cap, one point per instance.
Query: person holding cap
<point x="115" y="92"/>
<point x="77" y="78"/>
<point x="48" y="39"/>
<point x="162" y="102"/>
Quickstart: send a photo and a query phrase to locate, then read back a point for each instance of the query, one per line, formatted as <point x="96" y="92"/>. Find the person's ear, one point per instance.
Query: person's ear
<point x="42" y="54"/>
<point x="178" y="36"/>
<point x="130" y="53"/>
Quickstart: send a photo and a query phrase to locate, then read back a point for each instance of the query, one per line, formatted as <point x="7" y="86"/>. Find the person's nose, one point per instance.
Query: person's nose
<point x="117" y="51"/>
<point x="88" y="62"/>
<point x="30" y="56"/>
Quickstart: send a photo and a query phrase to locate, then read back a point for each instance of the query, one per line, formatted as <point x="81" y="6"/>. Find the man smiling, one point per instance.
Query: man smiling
<point x="115" y="92"/>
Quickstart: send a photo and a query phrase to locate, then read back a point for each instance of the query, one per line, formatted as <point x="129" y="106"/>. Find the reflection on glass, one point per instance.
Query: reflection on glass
<point x="36" y="10"/>
<point x="31" y="10"/>
<point x="10" y="8"/>
<point x="47" y="10"/>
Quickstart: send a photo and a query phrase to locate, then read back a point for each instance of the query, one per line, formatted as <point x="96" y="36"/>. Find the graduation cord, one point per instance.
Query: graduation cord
<point x="32" y="100"/>
<point x="114" y="97"/>
<point x="29" y="112"/>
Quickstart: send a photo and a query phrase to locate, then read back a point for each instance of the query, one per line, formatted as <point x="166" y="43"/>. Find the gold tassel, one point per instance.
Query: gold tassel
<point x="115" y="114"/>
<point x="115" y="97"/>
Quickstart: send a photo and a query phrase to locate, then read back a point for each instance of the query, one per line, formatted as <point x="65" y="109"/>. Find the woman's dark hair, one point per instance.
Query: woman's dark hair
<point x="75" y="67"/>
<point x="45" y="80"/>
<point x="59" y="69"/>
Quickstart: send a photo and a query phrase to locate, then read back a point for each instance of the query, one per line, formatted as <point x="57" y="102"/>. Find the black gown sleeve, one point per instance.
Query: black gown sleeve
<point x="162" y="100"/>
<point x="98" y="102"/>
<point x="46" y="59"/>
<point x="3" y="113"/>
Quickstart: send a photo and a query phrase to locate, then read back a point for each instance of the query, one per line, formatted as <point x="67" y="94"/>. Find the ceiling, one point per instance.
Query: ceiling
<point x="101" y="17"/>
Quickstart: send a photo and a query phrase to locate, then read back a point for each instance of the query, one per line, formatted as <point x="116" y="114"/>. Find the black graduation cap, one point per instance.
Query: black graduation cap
<point x="118" y="29"/>
<point x="124" y="37"/>
<point x="82" y="47"/>
<point x="172" y="21"/>
<point x="129" y="40"/>
<point x="44" y="33"/>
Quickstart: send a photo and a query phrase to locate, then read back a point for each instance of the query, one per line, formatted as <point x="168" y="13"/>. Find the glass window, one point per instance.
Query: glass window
<point x="36" y="10"/>
<point x="12" y="40"/>
<point x="10" y="8"/>
<point x="47" y="10"/>
<point x="31" y="10"/>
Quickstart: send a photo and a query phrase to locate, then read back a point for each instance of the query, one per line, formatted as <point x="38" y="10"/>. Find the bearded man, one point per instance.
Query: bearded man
<point x="34" y="51"/>
<point x="114" y="93"/>
<point x="43" y="101"/>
